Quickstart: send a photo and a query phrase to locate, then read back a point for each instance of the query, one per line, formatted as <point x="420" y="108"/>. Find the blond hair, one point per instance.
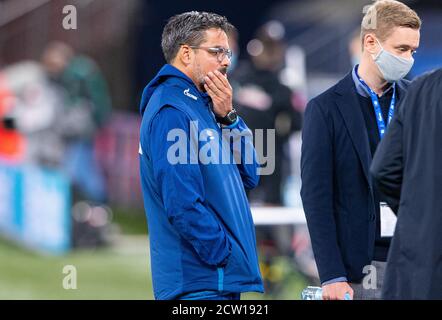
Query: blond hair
<point x="384" y="15"/>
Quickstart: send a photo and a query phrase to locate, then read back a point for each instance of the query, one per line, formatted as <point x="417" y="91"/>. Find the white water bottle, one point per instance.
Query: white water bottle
<point x="311" y="293"/>
<point x="315" y="293"/>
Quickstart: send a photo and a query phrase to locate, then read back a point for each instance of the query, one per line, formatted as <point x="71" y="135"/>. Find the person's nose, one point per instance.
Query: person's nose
<point x="226" y="61"/>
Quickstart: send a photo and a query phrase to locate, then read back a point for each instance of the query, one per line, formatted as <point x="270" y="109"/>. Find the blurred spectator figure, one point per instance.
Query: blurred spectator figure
<point x="34" y="112"/>
<point x="28" y="110"/>
<point x="355" y="48"/>
<point x="12" y="143"/>
<point x="85" y="110"/>
<point x="265" y="103"/>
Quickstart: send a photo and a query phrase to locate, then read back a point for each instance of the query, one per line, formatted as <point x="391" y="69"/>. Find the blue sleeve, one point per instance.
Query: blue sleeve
<point x="340" y="279"/>
<point x="181" y="189"/>
<point x="317" y="174"/>
<point x="244" y="152"/>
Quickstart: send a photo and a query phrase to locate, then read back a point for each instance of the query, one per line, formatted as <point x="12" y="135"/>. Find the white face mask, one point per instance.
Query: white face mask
<point x="392" y="67"/>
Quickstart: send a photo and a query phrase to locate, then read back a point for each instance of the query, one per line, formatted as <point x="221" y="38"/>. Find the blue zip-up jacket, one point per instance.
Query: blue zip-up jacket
<point x="201" y="231"/>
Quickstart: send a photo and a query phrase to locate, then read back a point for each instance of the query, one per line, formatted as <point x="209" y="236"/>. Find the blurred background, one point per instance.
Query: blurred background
<point x="71" y="76"/>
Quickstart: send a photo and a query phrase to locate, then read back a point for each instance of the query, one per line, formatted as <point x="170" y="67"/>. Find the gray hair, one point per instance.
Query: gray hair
<point x="189" y="28"/>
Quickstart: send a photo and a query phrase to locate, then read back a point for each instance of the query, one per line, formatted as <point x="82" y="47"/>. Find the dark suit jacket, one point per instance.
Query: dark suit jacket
<point x="408" y="167"/>
<point x="337" y="189"/>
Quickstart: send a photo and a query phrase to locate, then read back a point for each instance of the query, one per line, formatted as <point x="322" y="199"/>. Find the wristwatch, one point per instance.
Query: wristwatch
<point x="229" y="119"/>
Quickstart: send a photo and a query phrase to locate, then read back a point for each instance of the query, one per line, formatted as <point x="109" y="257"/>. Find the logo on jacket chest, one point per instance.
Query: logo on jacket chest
<point x="187" y="93"/>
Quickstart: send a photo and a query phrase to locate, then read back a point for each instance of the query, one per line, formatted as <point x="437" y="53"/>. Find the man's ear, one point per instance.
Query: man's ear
<point x="185" y="55"/>
<point x="370" y="43"/>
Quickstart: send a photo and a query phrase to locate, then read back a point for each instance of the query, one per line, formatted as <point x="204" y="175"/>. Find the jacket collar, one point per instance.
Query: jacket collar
<point x="360" y="88"/>
<point x="171" y="71"/>
<point x="172" y="74"/>
<point x="362" y="91"/>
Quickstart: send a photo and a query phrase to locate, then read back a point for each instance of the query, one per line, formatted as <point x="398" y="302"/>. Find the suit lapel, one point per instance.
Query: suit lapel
<point x="348" y="106"/>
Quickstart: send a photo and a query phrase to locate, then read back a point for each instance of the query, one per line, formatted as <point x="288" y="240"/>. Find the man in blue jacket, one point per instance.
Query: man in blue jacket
<point x="201" y="230"/>
<point x="342" y="128"/>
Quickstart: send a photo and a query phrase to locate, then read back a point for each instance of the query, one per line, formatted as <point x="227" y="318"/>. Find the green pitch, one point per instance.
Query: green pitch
<point x="121" y="272"/>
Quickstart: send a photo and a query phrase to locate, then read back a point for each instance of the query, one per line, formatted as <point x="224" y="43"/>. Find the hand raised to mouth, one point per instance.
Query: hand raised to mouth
<point x="220" y="90"/>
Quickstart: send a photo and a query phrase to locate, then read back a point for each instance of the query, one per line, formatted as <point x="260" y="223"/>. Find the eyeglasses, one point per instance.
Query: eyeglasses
<point x="220" y="53"/>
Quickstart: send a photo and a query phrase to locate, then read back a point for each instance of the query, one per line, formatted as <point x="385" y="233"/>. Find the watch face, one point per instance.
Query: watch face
<point x="232" y="115"/>
<point x="229" y="119"/>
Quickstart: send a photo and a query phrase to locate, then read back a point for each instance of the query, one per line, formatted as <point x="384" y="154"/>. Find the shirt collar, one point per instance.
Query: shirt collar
<point x="361" y="89"/>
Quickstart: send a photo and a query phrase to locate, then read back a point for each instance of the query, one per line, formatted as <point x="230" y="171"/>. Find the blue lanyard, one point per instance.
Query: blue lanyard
<point x="377" y="106"/>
